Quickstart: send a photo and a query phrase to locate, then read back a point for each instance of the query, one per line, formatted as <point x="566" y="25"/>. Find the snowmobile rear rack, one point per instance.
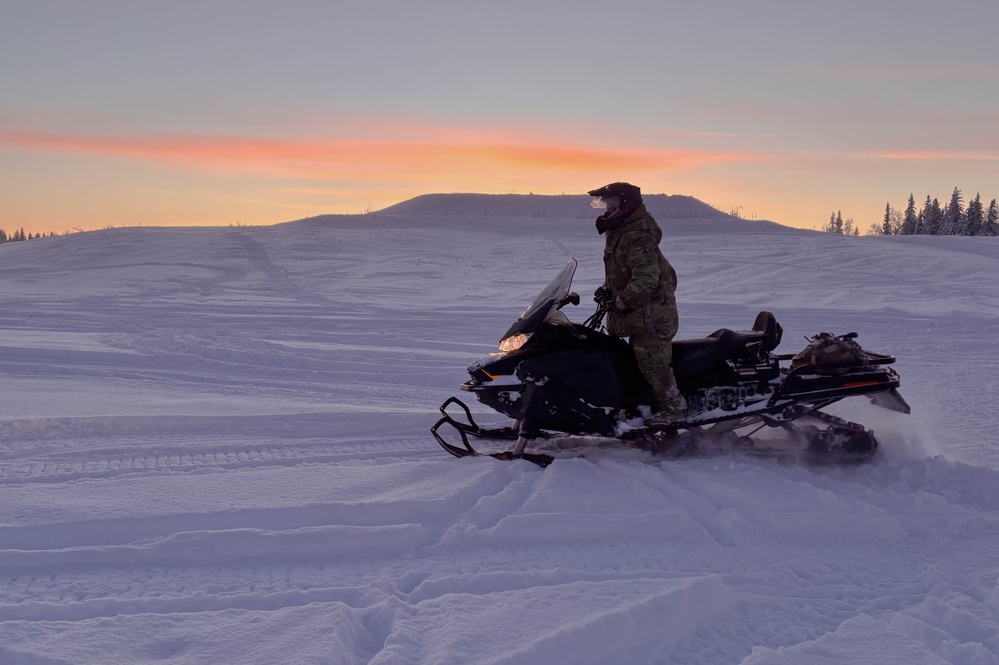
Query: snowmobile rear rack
<point x="844" y="379"/>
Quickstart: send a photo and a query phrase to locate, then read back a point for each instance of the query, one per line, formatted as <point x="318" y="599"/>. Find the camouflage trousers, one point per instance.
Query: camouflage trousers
<point x="654" y="355"/>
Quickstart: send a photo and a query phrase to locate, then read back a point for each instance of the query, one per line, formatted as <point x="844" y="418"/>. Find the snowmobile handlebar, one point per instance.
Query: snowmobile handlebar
<point x="596" y="321"/>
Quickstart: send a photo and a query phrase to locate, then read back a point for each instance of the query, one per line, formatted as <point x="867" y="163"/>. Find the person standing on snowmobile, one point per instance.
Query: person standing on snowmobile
<point x="639" y="292"/>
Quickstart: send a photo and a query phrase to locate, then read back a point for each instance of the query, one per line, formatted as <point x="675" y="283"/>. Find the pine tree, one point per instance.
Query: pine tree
<point x="975" y="217"/>
<point x="886" y="225"/>
<point x="953" y="217"/>
<point x="839" y="223"/>
<point x="911" y="222"/>
<point x="932" y="217"/>
<point x="831" y="226"/>
<point x="992" y="220"/>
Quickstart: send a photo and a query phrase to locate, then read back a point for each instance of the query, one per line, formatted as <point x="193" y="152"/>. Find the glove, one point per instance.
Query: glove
<point x="605" y="299"/>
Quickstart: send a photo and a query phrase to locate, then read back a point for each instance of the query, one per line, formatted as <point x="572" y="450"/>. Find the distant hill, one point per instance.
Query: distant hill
<point x="572" y="206"/>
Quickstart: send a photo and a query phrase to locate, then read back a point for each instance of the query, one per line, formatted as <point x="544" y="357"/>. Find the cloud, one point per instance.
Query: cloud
<point x="437" y="153"/>
<point x="928" y="155"/>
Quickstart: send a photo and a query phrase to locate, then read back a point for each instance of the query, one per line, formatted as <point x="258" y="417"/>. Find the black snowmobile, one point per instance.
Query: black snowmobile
<point x="571" y="387"/>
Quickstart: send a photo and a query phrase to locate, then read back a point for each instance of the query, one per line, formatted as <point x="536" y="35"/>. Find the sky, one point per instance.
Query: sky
<point x="117" y="113"/>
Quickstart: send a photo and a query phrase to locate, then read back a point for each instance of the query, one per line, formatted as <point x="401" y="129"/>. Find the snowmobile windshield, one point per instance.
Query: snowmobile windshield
<point x="545" y="304"/>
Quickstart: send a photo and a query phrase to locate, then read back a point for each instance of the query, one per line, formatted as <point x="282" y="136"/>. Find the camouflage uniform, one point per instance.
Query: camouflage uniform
<point x="644" y="285"/>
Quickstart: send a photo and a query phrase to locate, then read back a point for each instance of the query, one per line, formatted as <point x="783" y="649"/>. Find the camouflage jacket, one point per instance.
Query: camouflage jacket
<point x="640" y="277"/>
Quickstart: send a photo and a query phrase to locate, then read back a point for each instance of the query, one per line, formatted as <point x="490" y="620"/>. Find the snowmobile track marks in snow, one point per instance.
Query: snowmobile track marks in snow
<point x="205" y="461"/>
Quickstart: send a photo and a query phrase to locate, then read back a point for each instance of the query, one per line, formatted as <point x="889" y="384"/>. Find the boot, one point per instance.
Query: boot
<point x="668" y="417"/>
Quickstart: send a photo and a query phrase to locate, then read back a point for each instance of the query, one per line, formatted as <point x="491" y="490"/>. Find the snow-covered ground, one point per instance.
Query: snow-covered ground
<point x="214" y="448"/>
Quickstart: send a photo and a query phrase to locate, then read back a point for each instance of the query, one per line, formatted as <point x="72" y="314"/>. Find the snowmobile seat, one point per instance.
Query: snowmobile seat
<point x="766" y="323"/>
<point x="695" y="356"/>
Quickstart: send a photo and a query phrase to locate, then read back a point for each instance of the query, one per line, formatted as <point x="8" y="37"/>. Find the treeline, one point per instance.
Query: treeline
<point x="21" y="235"/>
<point x="951" y="219"/>
<point x="838" y="225"/>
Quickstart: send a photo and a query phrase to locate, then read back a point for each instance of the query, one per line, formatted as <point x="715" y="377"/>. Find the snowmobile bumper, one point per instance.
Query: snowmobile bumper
<point x="470" y="427"/>
<point x="464" y="429"/>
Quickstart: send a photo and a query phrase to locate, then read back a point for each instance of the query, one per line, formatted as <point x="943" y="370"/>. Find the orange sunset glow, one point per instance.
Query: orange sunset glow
<point x="303" y="176"/>
<point x="353" y="167"/>
<point x="354" y="159"/>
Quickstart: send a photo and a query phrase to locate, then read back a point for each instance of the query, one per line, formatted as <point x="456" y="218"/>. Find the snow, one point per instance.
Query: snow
<point x="574" y="206"/>
<point x="214" y="448"/>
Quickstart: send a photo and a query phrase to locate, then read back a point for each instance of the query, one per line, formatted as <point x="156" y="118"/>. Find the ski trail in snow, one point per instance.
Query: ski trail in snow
<point x="278" y="278"/>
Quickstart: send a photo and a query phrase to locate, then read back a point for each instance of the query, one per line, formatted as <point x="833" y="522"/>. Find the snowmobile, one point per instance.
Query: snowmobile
<point x="572" y="387"/>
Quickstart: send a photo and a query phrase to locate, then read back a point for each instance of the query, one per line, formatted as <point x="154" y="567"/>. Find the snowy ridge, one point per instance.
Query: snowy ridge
<point x="573" y="206"/>
<point x="214" y="448"/>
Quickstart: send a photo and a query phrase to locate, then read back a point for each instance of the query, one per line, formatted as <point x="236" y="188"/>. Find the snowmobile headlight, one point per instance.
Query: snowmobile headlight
<point x="514" y="342"/>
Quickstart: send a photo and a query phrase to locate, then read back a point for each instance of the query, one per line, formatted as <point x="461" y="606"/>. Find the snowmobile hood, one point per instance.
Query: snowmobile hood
<point x="545" y="304"/>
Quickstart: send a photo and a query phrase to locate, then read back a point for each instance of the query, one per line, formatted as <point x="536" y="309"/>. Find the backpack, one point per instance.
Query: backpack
<point x="827" y="349"/>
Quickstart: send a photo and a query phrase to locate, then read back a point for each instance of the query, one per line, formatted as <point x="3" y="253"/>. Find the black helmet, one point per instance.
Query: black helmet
<point x="620" y="198"/>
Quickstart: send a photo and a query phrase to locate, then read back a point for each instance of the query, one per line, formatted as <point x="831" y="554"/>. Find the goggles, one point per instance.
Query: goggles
<point x="606" y="202"/>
